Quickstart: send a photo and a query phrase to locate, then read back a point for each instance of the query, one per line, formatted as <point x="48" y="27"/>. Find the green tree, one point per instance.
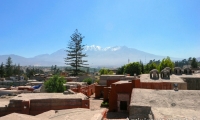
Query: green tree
<point x="120" y="70"/>
<point x="142" y="67"/>
<point x="88" y="80"/>
<point x="132" y="68"/>
<point x="55" y="70"/>
<point x="16" y="70"/>
<point x="30" y="72"/>
<point x="2" y="70"/>
<point x="166" y="62"/>
<point x="194" y="63"/>
<point x="150" y="66"/>
<point x="55" y="84"/>
<point x="9" y="67"/>
<point x="75" y="53"/>
<point x="105" y="71"/>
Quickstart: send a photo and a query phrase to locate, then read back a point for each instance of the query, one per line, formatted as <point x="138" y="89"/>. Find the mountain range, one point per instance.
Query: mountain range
<point x="97" y="57"/>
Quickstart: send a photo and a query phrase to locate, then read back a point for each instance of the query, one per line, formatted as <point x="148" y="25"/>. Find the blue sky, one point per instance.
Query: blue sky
<point x="161" y="27"/>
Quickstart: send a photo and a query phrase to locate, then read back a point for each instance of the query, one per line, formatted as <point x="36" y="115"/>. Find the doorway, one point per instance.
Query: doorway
<point x="123" y="105"/>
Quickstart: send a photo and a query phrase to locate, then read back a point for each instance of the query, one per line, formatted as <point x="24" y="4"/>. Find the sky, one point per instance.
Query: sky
<point x="161" y="27"/>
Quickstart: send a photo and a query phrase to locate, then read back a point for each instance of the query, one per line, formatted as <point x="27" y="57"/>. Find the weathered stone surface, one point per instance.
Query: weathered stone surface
<point x="164" y="102"/>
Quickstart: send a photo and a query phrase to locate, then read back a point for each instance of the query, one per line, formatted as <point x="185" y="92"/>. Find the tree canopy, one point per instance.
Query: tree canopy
<point x="55" y="84"/>
<point x="75" y="53"/>
<point x="88" y="81"/>
<point x="2" y="70"/>
<point x="166" y="62"/>
<point x="194" y="63"/>
<point x="105" y="71"/>
<point x="132" y="68"/>
<point x="9" y="67"/>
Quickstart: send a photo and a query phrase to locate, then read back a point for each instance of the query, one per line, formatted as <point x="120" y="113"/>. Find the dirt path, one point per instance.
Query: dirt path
<point x="95" y="103"/>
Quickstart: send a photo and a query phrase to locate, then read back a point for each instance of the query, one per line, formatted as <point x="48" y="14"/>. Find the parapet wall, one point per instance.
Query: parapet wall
<point x="162" y="85"/>
<point x="192" y="83"/>
<point x="13" y="106"/>
<point x="37" y="106"/>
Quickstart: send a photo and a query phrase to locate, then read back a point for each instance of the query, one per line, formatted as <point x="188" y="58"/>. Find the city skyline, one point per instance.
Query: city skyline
<point x="168" y="28"/>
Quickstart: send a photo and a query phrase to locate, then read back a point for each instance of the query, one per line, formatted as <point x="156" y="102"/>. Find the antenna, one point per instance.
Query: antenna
<point x="128" y="60"/>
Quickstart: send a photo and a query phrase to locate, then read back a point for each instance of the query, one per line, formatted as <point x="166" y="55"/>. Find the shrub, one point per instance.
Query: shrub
<point x="88" y="80"/>
<point x="104" y="104"/>
<point x="105" y="72"/>
<point x="55" y="84"/>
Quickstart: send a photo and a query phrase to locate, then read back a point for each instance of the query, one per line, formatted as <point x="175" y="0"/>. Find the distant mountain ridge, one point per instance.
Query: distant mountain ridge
<point x="97" y="56"/>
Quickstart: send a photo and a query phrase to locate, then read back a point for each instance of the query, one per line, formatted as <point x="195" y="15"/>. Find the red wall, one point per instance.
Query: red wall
<point x="87" y="90"/>
<point x="109" y="82"/>
<point x="106" y="92"/>
<point x="127" y="88"/>
<point x="34" y="107"/>
<point x="115" y="89"/>
<point x="98" y="90"/>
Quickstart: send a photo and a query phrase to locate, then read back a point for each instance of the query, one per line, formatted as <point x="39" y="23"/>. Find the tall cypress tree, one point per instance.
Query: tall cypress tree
<point x="75" y="53"/>
<point x="2" y="70"/>
<point x="9" y="67"/>
<point x="194" y="63"/>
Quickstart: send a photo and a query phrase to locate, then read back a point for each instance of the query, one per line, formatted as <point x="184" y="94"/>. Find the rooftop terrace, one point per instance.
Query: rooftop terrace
<point x="173" y="78"/>
<point x="166" y="103"/>
<point x="30" y="96"/>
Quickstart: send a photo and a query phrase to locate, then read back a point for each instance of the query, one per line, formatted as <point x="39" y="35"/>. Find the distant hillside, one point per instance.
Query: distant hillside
<point x="97" y="56"/>
<point x="198" y="58"/>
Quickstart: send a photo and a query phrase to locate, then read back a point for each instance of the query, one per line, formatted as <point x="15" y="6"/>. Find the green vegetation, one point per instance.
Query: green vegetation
<point x="150" y="66"/>
<point x="55" y="70"/>
<point x="105" y="71"/>
<point x="120" y="70"/>
<point x="30" y="72"/>
<point x="2" y="70"/>
<point x="9" y="68"/>
<point x="104" y="104"/>
<point x="88" y="80"/>
<point x="194" y="63"/>
<point x="55" y="84"/>
<point x="133" y="68"/>
<point x="74" y="53"/>
<point x="166" y="62"/>
<point x="138" y="67"/>
<point x="190" y="61"/>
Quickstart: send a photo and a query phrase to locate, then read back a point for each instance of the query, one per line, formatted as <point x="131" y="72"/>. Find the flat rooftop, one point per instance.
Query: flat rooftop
<point x="31" y="96"/>
<point x="73" y="114"/>
<point x="168" y="103"/>
<point x="173" y="78"/>
<point x="67" y="114"/>
<point x="195" y="75"/>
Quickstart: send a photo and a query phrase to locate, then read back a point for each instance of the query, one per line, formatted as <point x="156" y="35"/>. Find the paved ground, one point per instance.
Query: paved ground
<point x="95" y="105"/>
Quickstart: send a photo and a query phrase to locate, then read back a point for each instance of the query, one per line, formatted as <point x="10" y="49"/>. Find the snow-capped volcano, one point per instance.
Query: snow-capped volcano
<point x="97" y="56"/>
<point x="99" y="48"/>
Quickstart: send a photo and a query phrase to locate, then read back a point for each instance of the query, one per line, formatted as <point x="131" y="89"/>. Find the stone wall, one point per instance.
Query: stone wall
<point x="192" y="83"/>
<point x="141" y="112"/>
